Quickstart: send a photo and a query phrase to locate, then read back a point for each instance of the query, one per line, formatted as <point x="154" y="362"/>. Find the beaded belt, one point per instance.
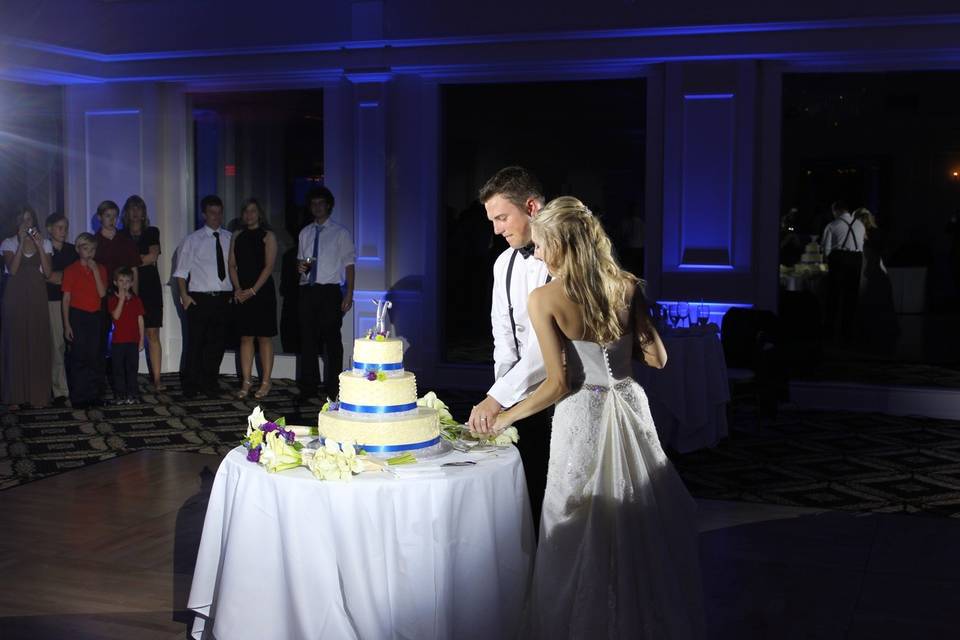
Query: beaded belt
<point x="600" y="388"/>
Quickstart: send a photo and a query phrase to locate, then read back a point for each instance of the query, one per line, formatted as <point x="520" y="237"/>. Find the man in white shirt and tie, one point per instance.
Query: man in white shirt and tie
<point x="512" y="198"/>
<point x="202" y="260"/>
<point x="325" y="257"/>
<point x="843" y="249"/>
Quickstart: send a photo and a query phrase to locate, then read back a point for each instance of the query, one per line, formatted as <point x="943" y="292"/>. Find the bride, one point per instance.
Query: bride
<point x="618" y="554"/>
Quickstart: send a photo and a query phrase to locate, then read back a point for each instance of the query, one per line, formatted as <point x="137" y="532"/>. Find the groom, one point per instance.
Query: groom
<point x="512" y="198"/>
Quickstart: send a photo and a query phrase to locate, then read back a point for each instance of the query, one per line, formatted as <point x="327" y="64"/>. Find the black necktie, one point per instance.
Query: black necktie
<point x="221" y="268"/>
<point x="526" y="251"/>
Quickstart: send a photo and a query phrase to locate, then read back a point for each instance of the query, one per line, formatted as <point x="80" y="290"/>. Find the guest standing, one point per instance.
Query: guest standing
<point x="253" y="253"/>
<point x="843" y="249"/>
<point x="136" y="225"/>
<point x="84" y="286"/>
<point x="206" y="302"/>
<point x="114" y="250"/>
<point x="326" y="258"/>
<point x="64" y="254"/>
<point x="25" y="351"/>
<point x="126" y="313"/>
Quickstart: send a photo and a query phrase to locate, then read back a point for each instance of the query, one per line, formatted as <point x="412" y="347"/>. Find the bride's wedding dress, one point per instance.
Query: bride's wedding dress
<point x="618" y="554"/>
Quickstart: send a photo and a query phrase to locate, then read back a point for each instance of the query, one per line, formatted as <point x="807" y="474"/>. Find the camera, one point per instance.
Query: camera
<point x="31" y="231"/>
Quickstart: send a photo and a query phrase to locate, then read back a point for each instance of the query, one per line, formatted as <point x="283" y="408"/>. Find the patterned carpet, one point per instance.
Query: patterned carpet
<point x="829" y="460"/>
<point x="885" y="373"/>
<point x="833" y="460"/>
<point x="36" y="443"/>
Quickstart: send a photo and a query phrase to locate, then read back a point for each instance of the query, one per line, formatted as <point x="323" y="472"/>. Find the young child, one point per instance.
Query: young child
<point x="84" y="285"/>
<point x="126" y="309"/>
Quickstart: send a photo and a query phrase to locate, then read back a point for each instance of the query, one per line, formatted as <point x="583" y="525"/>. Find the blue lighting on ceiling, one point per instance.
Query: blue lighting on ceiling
<point x="596" y="34"/>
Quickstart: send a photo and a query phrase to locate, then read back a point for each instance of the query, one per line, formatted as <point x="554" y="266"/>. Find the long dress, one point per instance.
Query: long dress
<point x="618" y="554"/>
<point x="258" y="315"/>
<point x="25" y="345"/>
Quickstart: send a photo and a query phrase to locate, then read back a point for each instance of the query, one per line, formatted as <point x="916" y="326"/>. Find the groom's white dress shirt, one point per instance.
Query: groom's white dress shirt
<point x="517" y="374"/>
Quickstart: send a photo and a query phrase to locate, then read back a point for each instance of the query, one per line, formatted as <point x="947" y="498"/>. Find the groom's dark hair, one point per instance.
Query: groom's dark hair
<point x="516" y="184"/>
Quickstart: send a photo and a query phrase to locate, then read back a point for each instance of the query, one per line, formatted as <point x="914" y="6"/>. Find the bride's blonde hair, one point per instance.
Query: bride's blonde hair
<point x="577" y="251"/>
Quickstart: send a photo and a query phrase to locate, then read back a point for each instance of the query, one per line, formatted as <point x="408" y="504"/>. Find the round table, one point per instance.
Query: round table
<point x="431" y="552"/>
<point x="689" y="396"/>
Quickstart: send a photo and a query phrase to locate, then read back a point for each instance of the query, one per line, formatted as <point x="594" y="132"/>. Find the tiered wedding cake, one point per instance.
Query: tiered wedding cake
<point x="811" y="253"/>
<point x="378" y="402"/>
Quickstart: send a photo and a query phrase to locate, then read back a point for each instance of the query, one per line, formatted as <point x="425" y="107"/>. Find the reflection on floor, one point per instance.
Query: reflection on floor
<point x="107" y="551"/>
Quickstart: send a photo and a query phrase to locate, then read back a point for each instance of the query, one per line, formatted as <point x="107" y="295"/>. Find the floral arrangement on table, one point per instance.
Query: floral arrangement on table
<point x="452" y="430"/>
<point x="273" y="445"/>
<point x="337" y="461"/>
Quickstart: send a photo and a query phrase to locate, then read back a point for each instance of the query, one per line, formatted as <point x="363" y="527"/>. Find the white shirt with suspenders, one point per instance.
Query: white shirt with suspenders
<point x="518" y="363"/>
<point x="844" y="233"/>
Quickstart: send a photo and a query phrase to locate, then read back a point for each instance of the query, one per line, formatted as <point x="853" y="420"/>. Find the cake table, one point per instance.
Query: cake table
<point x="433" y="552"/>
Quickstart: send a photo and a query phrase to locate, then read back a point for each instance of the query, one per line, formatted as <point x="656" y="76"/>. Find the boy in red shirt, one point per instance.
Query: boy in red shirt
<point x="84" y="285"/>
<point x="126" y="309"/>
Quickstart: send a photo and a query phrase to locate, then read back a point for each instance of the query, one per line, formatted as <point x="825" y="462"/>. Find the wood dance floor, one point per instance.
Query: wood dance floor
<point x="106" y="551"/>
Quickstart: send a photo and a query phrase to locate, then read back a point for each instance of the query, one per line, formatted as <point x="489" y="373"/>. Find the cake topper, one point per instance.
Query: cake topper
<point x="380" y="326"/>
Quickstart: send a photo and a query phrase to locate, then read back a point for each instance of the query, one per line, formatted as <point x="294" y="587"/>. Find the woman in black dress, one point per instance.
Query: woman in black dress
<point x="136" y="224"/>
<point x="253" y="252"/>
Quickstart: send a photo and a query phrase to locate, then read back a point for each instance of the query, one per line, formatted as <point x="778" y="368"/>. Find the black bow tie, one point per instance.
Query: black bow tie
<point x="526" y="251"/>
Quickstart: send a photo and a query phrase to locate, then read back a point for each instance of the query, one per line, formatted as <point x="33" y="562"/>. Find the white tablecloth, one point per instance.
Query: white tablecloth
<point x="447" y="554"/>
<point x="689" y="396"/>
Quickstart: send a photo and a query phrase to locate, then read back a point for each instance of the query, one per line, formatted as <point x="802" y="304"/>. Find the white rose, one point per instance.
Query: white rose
<point x="507" y="436"/>
<point x="431" y="401"/>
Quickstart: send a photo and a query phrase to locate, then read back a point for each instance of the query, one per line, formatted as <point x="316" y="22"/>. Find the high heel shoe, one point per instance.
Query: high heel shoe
<point x="244" y="389"/>
<point x="263" y="391"/>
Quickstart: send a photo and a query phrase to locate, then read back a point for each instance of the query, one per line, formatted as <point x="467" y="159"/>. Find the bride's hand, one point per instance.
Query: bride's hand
<point x="501" y="423"/>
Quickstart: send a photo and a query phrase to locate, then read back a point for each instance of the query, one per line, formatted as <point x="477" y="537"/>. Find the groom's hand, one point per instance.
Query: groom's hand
<point x="484" y="415"/>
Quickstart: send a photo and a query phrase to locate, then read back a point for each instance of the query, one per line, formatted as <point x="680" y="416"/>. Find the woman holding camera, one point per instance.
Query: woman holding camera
<point x="25" y="359"/>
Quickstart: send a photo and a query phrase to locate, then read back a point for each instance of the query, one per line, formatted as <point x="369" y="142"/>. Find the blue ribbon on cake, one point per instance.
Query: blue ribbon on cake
<point x="366" y="366"/>
<point x="372" y="408"/>
<point x="388" y="448"/>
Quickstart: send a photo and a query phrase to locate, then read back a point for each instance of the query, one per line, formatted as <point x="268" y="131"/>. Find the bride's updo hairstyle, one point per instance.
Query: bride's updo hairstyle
<point x="577" y="251"/>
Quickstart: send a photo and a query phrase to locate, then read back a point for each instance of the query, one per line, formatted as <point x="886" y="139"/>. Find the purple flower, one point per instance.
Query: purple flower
<point x="254" y="455"/>
<point x="290" y="436"/>
<point x="371" y="376"/>
<point x="267" y="427"/>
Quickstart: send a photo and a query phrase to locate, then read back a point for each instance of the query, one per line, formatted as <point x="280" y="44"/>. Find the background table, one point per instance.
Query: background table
<point x="689" y="396"/>
<point x="436" y="553"/>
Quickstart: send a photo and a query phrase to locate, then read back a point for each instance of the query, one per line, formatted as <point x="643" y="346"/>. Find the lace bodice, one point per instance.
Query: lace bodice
<point x="593" y="364"/>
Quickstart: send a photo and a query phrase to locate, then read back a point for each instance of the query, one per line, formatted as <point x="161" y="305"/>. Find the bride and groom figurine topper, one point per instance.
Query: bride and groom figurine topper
<point x="380" y="326"/>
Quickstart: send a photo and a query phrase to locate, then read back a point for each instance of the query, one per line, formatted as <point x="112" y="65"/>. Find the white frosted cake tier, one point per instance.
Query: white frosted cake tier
<point x="360" y="395"/>
<point x="420" y="429"/>
<point x="377" y="354"/>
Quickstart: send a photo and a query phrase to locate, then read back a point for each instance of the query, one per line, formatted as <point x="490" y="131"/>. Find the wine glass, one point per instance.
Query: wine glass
<point x="683" y="311"/>
<point x="674" y="315"/>
<point x="703" y="315"/>
<point x="694" y="315"/>
<point x="662" y="314"/>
